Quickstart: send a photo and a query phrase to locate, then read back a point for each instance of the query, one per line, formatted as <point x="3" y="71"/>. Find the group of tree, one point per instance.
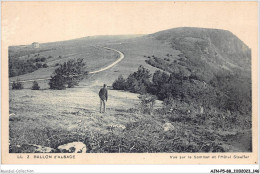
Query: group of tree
<point x="68" y="74"/>
<point x="19" y="67"/>
<point x="137" y="82"/>
<point x="16" y="52"/>
<point x="226" y="95"/>
<point x="18" y="85"/>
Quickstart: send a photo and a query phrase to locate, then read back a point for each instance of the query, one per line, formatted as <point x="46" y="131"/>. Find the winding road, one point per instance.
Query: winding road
<point x="121" y="57"/>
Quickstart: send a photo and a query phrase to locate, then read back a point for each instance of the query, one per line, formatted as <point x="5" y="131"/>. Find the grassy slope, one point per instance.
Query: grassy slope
<point x="59" y="117"/>
<point x="77" y="48"/>
<point x="135" y="51"/>
<point x="219" y="50"/>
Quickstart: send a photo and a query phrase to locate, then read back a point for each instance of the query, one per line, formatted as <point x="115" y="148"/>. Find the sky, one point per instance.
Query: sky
<point x="27" y="22"/>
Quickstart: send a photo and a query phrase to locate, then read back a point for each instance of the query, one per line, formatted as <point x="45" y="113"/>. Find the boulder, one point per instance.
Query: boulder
<point x="74" y="147"/>
<point x="119" y="126"/>
<point x="32" y="148"/>
<point x="168" y="127"/>
<point x="43" y="149"/>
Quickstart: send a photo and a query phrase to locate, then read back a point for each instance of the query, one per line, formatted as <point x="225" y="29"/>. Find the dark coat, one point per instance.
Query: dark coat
<point x="103" y="94"/>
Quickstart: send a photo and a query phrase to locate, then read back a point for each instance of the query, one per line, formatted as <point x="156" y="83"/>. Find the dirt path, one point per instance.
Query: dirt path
<point x="121" y="57"/>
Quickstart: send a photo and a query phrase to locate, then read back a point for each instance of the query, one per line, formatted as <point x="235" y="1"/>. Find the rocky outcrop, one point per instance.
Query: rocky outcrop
<point x="168" y="127"/>
<point x="114" y="126"/>
<point x="74" y="147"/>
<point x="31" y="148"/>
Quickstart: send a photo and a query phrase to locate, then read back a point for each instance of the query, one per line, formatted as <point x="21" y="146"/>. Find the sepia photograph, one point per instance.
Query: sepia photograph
<point x="129" y="77"/>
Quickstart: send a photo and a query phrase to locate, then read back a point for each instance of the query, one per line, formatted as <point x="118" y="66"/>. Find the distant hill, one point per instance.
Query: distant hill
<point x="23" y="58"/>
<point x="214" y="65"/>
<point x="210" y="50"/>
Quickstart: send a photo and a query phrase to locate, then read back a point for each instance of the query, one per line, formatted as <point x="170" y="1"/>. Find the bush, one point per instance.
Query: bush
<point x="18" y="67"/>
<point x="69" y="74"/>
<point x="39" y="65"/>
<point x="147" y="103"/>
<point x="17" y="85"/>
<point x="43" y="59"/>
<point x="57" y="82"/>
<point x="35" y="86"/>
<point x="139" y="81"/>
<point x="38" y="59"/>
<point x="45" y="65"/>
<point x="120" y="83"/>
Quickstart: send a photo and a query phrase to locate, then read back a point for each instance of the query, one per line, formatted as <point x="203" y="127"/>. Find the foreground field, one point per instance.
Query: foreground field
<point x="60" y="117"/>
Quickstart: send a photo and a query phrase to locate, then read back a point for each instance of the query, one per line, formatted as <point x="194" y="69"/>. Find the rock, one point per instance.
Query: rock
<point x="32" y="148"/>
<point x="201" y="109"/>
<point x="13" y="117"/>
<point x="120" y="126"/>
<point x="12" y="114"/>
<point x="168" y="127"/>
<point x="42" y="149"/>
<point x="74" y="147"/>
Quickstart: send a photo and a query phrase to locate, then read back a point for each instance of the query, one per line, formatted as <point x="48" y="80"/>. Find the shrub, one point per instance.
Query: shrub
<point x="39" y="65"/>
<point x="43" y="59"/>
<point x="38" y="59"/>
<point x="69" y="74"/>
<point x="18" y="67"/>
<point x="168" y="102"/>
<point x="139" y="81"/>
<point x="147" y="103"/>
<point x="57" y="82"/>
<point x="31" y="60"/>
<point x="17" y="85"/>
<point x="45" y="65"/>
<point x="120" y="83"/>
<point x="35" y="86"/>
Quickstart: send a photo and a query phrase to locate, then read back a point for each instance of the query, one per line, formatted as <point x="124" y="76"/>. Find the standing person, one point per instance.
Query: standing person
<point x="103" y="98"/>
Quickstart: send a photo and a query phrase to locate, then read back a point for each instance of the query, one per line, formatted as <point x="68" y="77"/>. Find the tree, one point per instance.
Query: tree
<point x="45" y="65"/>
<point x="35" y="86"/>
<point x="43" y="59"/>
<point x="57" y="82"/>
<point x="139" y="81"/>
<point x="147" y="103"/>
<point x="39" y="65"/>
<point x="120" y="83"/>
<point x="159" y="80"/>
<point x="68" y="74"/>
<point x="17" y="85"/>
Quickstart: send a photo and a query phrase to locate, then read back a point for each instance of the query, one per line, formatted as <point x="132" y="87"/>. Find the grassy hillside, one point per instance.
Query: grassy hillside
<point x="52" y="118"/>
<point x="211" y="111"/>
<point x="58" y="52"/>
<point x="209" y="60"/>
<point x="218" y="50"/>
<point x="215" y="57"/>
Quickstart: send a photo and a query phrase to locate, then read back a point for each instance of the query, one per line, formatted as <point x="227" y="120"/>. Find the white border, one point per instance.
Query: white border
<point x="129" y="168"/>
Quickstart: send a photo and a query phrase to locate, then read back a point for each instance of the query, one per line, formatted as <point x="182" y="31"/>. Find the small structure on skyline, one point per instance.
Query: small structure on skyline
<point x="35" y="45"/>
